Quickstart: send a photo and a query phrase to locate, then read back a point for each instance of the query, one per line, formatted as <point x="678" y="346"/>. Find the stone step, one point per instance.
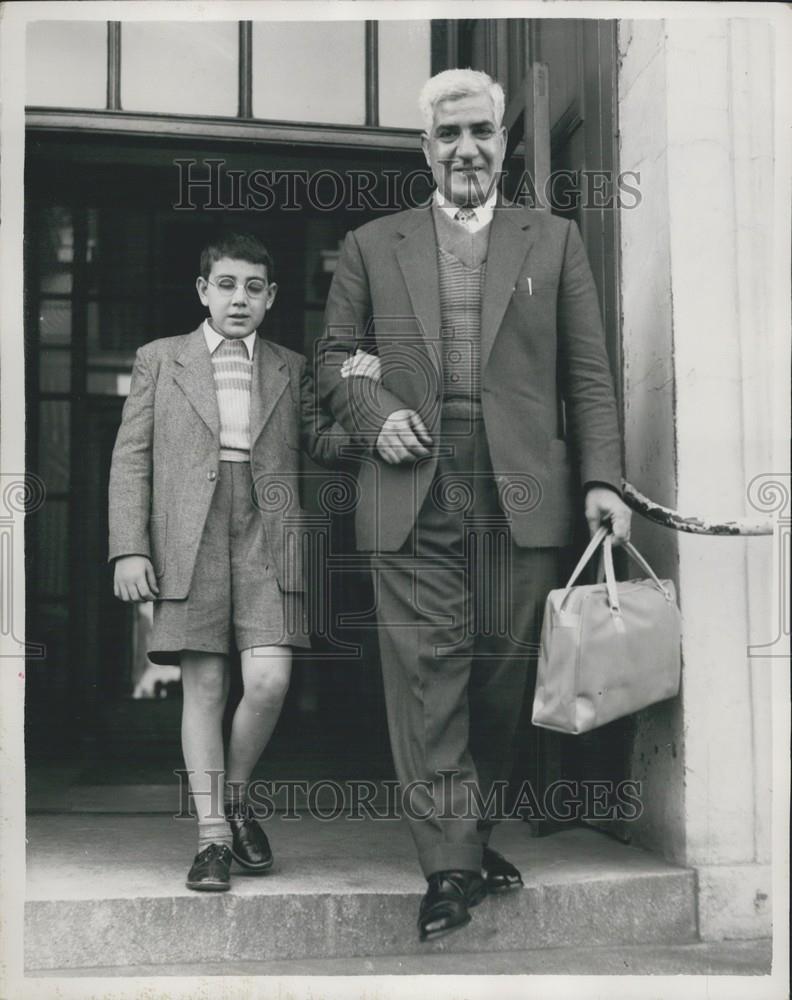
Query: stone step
<point x="701" y="958"/>
<point x="108" y="891"/>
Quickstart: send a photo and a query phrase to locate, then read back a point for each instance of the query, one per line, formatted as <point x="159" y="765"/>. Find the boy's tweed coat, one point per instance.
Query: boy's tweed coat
<point x="166" y="456"/>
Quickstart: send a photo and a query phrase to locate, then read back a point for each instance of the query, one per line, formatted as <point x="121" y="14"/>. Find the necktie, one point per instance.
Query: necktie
<point x="465" y="215"/>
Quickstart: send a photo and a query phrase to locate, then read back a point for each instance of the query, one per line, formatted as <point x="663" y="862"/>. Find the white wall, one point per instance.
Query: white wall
<point x="648" y="393"/>
<point x="700" y="374"/>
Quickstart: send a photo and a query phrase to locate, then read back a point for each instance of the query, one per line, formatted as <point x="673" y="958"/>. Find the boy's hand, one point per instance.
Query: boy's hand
<point x="362" y="364"/>
<point x="134" y="579"/>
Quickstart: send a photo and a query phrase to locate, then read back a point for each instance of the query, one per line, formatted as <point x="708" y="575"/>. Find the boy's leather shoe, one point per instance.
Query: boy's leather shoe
<point x="445" y="906"/>
<point x="211" y="869"/>
<point x="499" y="874"/>
<point x="250" y="848"/>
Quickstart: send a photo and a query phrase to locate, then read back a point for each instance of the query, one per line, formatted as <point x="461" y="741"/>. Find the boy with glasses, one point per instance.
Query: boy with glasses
<point x="210" y="434"/>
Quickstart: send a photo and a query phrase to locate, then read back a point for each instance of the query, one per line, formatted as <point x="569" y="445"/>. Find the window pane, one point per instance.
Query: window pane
<point x="52" y="548"/>
<point x="49" y="624"/>
<point x="109" y="371"/>
<point x="67" y="64"/>
<point x="119" y="326"/>
<point x="121" y="272"/>
<point x="405" y="64"/>
<point x="55" y="321"/>
<point x="121" y="264"/>
<point x="91" y="248"/>
<point x="53" y="457"/>
<point x="324" y="64"/>
<point x="558" y="47"/>
<point x="55" y="371"/>
<point x="102" y="382"/>
<point x="180" y="67"/>
<point x="55" y="251"/>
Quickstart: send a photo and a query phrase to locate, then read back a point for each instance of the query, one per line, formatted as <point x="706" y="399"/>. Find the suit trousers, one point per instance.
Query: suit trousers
<point x="459" y="615"/>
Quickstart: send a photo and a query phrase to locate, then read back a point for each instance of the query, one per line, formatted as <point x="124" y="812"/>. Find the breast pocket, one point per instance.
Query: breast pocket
<point x="536" y="306"/>
<point x="534" y="290"/>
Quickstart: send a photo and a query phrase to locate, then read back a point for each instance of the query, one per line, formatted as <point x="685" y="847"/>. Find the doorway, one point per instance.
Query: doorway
<point x="110" y="265"/>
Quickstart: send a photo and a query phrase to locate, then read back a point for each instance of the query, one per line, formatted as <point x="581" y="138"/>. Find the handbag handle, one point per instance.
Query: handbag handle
<point x="602" y="534"/>
<point x="596" y="540"/>
<point x="610" y="576"/>
<point x="590" y="549"/>
<point x="636" y="556"/>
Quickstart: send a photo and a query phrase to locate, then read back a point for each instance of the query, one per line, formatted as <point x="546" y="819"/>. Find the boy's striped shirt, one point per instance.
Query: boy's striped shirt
<point x="232" y="364"/>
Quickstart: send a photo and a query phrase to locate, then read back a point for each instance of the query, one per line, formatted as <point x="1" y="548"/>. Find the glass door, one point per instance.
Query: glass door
<point x="106" y="274"/>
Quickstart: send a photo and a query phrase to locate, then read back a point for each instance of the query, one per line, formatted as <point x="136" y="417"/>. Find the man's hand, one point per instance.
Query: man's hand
<point x="403" y="437"/>
<point x="605" y="506"/>
<point x="134" y="579"/>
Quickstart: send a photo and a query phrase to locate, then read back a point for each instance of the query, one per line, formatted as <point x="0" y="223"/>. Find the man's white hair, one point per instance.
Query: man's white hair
<point x="452" y="84"/>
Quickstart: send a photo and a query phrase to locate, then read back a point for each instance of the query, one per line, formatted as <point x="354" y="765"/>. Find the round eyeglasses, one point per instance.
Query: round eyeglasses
<point x="226" y="286"/>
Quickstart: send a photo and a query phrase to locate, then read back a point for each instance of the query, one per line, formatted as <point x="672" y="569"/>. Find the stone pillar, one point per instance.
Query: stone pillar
<point x="700" y="373"/>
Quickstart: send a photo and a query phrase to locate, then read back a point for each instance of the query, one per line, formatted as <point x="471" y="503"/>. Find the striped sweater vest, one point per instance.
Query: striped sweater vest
<point x="462" y="268"/>
<point x="233" y="377"/>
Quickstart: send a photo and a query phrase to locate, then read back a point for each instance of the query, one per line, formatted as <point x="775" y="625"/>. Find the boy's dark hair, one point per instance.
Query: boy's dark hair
<point x="237" y="246"/>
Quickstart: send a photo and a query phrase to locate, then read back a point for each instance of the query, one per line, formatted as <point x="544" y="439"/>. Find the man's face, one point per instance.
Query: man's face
<point x="465" y="149"/>
<point x="237" y="295"/>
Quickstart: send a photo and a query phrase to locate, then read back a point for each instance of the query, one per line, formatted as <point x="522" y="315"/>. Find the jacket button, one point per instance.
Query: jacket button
<point x="211" y="476"/>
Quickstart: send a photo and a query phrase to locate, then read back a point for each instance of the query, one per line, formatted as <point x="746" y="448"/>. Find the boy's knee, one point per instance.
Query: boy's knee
<point x="268" y="688"/>
<point x="209" y="687"/>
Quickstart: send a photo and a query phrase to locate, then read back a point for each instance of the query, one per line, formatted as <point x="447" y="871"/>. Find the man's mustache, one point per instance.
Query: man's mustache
<point x="482" y="190"/>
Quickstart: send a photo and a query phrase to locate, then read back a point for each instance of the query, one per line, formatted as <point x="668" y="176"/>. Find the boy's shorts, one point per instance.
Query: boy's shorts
<point x="235" y="599"/>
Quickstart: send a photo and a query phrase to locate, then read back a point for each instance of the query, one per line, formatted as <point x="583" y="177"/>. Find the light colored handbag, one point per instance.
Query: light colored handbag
<point x="607" y="649"/>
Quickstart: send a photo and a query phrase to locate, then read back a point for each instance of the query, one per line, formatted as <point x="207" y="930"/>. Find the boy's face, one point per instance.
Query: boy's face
<point x="237" y="295"/>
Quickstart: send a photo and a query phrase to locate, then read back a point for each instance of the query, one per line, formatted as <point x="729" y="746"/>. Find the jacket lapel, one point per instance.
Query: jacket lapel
<point x="195" y="377"/>
<point x="270" y="378"/>
<point x="511" y="238"/>
<point x="417" y="257"/>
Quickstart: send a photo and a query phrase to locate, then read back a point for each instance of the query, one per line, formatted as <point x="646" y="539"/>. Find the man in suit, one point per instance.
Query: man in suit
<point x="485" y="319"/>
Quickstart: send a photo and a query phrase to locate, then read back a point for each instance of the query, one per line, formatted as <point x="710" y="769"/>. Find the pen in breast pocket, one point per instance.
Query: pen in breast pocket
<point x="530" y="286"/>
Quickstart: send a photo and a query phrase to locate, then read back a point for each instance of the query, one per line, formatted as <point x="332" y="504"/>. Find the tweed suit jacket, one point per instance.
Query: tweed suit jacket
<point x="542" y="345"/>
<point x="166" y="456"/>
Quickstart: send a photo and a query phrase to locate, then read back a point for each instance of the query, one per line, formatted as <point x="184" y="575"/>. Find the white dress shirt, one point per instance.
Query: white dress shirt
<point x="215" y="339"/>
<point x="483" y="212"/>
